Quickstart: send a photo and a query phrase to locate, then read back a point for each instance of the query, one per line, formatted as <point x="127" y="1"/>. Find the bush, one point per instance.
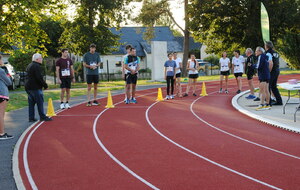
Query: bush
<point x="20" y="59"/>
<point x="147" y="70"/>
<point x="78" y="71"/>
<point x="213" y="59"/>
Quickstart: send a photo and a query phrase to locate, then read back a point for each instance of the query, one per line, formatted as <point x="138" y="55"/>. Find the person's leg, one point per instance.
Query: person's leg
<point x="262" y="90"/>
<point x="172" y="86"/>
<point x="179" y="86"/>
<point x="226" y="82"/>
<point x="133" y="89"/>
<point x="39" y="96"/>
<point x="68" y="91"/>
<point x="194" y="85"/>
<point x="95" y="91"/>
<point x="2" y="113"/>
<point x="188" y="86"/>
<point x="221" y="81"/>
<point x="168" y="85"/>
<point x="251" y="87"/>
<point x="274" y="88"/>
<point x="31" y="104"/>
<point x="62" y="94"/>
<point x="267" y="93"/>
<point x="89" y="88"/>
<point x="240" y="83"/>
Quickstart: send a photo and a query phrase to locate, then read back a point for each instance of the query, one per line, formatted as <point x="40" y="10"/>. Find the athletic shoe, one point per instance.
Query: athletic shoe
<point x="267" y="107"/>
<point x="239" y="91"/>
<point x="95" y="103"/>
<point x="67" y="106"/>
<point x="277" y="104"/>
<point x="261" y="107"/>
<point x="226" y="91"/>
<point x="220" y="91"/>
<point x="89" y="104"/>
<point x="172" y="97"/>
<point x="167" y="97"/>
<point x="32" y="120"/>
<point x="133" y="100"/>
<point x="185" y="95"/>
<point x="62" y="106"/>
<point x="127" y="101"/>
<point x="6" y="136"/>
<point x="250" y="97"/>
<point x="194" y="94"/>
<point x="256" y="99"/>
<point x="46" y="119"/>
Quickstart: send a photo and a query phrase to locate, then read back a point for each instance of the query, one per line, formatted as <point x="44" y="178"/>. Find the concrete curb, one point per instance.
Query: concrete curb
<point x="235" y="104"/>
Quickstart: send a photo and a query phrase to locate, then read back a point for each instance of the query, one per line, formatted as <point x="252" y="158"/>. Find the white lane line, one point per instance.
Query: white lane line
<point x="202" y="157"/>
<point x="235" y="136"/>
<point x="112" y="156"/>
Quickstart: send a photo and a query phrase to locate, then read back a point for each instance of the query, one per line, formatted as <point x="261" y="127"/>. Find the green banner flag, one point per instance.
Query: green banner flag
<point x="265" y="24"/>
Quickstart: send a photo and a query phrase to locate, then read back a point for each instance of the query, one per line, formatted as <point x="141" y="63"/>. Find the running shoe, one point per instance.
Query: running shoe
<point x="127" y="101"/>
<point x="89" y="104"/>
<point x="167" y="97"/>
<point x="226" y="91"/>
<point x="133" y="100"/>
<point x="172" y="97"/>
<point x="239" y="91"/>
<point x="185" y="95"/>
<point x="267" y="107"/>
<point x="256" y="99"/>
<point x="220" y="91"/>
<point x="67" y="106"/>
<point x="46" y="119"/>
<point x="261" y="107"/>
<point x="95" y="103"/>
<point x="194" y="94"/>
<point x="62" y="106"/>
<point x="250" y="97"/>
<point x="32" y="120"/>
<point x="6" y="136"/>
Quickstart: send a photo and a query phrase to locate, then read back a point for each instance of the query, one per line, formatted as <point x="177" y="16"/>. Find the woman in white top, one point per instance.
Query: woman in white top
<point x="238" y="63"/>
<point x="178" y="61"/>
<point x="224" y="68"/>
<point x="192" y="67"/>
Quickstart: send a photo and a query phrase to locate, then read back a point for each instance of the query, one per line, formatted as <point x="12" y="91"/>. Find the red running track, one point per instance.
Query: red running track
<point x="188" y="143"/>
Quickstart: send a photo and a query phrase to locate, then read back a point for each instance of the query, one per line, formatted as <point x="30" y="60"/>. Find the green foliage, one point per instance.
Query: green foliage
<point x="78" y="70"/>
<point x="147" y="70"/>
<point x="213" y="59"/>
<point x="21" y="58"/>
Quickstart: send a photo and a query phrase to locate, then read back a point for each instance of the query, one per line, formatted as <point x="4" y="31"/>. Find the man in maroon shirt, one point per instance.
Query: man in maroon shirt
<point x="65" y="75"/>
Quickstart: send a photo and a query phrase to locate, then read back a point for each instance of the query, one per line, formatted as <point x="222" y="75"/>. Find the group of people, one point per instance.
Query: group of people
<point x="265" y="63"/>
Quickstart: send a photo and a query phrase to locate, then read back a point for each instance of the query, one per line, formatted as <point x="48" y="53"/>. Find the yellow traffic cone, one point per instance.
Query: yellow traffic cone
<point x="203" y="92"/>
<point x="110" y="103"/>
<point x="50" y="109"/>
<point x="159" y="95"/>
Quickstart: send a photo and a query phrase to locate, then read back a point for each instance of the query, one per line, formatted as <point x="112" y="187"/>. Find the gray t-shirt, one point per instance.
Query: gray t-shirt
<point x="92" y="59"/>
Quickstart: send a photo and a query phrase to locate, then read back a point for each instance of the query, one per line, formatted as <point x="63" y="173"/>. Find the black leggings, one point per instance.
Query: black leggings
<point x="170" y="80"/>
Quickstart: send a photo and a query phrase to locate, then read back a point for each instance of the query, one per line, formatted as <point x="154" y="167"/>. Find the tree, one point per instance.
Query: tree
<point x="153" y="13"/>
<point x="19" y="23"/>
<point x="21" y="58"/>
<point x="91" y="25"/>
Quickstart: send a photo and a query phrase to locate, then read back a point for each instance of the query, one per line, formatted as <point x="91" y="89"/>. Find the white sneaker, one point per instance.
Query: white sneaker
<point x="167" y="97"/>
<point x="172" y="96"/>
<point x="62" y="106"/>
<point x="67" y="106"/>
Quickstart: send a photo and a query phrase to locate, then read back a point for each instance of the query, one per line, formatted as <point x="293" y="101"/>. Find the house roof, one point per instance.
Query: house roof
<point x="134" y="36"/>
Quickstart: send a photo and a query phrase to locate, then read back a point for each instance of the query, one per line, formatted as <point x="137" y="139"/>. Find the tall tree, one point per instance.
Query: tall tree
<point x="91" y="25"/>
<point x="152" y="14"/>
<point x="19" y="23"/>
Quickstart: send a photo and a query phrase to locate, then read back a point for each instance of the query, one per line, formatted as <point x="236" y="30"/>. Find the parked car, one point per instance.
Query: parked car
<point x="202" y="64"/>
<point x="14" y="77"/>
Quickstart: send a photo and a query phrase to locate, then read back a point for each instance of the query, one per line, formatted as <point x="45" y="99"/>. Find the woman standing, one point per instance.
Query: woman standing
<point x="192" y="67"/>
<point x="238" y="62"/>
<point x="178" y="74"/>
<point x="4" y="82"/>
<point x="170" y="76"/>
<point x="224" y="65"/>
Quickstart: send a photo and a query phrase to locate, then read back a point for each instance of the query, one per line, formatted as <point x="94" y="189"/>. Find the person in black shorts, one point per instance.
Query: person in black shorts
<point x="91" y="61"/>
<point x="250" y="70"/>
<point x="132" y="65"/>
<point x="65" y="75"/>
<point x="124" y="71"/>
<point x="192" y="67"/>
<point x="224" y="69"/>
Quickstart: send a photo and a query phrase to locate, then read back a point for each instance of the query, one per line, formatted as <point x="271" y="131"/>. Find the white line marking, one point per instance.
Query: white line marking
<point x="112" y="156"/>
<point x="202" y="157"/>
<point x="235" y="136"/>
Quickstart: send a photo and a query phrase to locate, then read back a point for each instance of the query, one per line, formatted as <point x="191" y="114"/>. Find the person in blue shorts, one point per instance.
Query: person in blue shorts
<point x="132" y="65"/>
<point x="170" y="75"/>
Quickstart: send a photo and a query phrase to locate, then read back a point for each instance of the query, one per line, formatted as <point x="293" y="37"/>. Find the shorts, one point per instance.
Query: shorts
<point x="250" y="76"/>
<point x="193" y="76"/>
<point x="92" y="79"/>
<point x="3" y="99"/>
<point x="225" y="73"/>
<point x="125" y="77"/>
<point x="65" y="83"/>
<point x="178" y="75"/>
<point x="238" y="75"/>
<point x="131" y="79"/>
<point x="264" y="80"/>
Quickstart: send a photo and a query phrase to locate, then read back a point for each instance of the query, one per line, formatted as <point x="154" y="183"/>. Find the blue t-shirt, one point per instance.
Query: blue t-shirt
<point x="170" y="67"/>
<point x="92" y="59"/>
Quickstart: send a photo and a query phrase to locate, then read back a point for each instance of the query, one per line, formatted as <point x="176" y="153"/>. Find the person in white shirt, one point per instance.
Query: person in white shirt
<point x="192" y="67"/>
<point x="238" y="63"/>
<point x="178" y="61"/>
<point x="124" y="71"/>
<point x="224" y="68"/>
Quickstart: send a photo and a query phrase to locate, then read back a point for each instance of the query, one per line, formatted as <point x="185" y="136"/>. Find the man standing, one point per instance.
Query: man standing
<point x="250" y="71"/>
<point x="65" y="75"/>
<point x="274" y="68"/>
<point x="124" y="71"/>
<point x="132" y="65"/>
<point x="33" y="87"/>
<point x="91" y="61"/>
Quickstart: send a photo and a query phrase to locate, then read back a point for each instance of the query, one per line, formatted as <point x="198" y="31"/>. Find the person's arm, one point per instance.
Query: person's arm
<point x="4" y="78"/>
<point x="138" y="65"/>
<point x="188" y="66"/>
<point x="57" y="75"/>
<point x="39" y="76"/>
